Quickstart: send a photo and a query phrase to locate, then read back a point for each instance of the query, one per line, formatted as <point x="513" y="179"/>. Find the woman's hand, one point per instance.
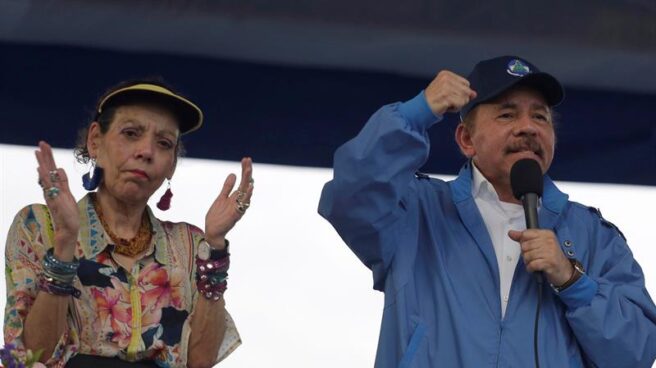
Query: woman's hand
<point x="60" y="201"/>
<point x="228" y="207"/>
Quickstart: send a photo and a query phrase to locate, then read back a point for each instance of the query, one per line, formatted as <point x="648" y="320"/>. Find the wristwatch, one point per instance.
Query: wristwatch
<point x="578" y="272"/>
<point x="206" y="252"/>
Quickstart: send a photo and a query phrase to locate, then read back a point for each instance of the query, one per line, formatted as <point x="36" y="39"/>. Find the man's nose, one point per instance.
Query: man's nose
<point x="525" y="125"/>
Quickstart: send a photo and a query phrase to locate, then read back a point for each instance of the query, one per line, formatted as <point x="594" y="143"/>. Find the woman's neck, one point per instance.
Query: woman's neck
<point x="123" y="218"/>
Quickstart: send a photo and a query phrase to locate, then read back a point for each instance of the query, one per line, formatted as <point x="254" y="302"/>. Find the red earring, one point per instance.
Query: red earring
<point x="165" y="201"/>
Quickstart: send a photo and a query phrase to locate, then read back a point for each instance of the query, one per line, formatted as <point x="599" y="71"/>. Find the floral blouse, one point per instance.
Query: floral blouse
<point x="143" y="313"/>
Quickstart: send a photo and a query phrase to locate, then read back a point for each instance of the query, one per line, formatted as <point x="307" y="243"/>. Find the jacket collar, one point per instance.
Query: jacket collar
<point x="552" y="198"/>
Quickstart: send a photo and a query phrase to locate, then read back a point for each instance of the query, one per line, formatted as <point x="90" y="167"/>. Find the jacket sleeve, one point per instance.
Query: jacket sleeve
<point x="615" y="323"/>
<point x="372" y="174"/>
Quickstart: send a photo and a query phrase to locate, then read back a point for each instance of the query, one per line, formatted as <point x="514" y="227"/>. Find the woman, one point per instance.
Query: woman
<point x="103" y="277"/>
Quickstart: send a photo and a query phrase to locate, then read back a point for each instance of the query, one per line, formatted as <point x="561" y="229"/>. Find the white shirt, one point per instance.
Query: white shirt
<point x="499" y="217"/>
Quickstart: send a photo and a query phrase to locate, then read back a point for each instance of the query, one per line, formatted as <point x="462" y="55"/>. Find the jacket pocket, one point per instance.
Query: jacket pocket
<point x="413" y="345"/>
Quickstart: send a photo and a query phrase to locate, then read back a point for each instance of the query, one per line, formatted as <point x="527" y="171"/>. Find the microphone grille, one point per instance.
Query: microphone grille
<point x="526" y="177"/>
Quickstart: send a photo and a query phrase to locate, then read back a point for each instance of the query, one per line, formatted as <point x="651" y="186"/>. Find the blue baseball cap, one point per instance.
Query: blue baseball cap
<point x="491" y="78"/>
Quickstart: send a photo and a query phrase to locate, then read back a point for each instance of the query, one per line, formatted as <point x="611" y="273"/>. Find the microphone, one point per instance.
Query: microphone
<point x="527" y="185"/>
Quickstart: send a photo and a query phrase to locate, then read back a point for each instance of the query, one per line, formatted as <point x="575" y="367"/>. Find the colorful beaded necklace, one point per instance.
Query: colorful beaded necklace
<point x="126" y="247"/>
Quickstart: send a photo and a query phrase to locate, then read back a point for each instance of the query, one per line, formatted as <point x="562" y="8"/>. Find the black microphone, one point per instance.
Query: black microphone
<point x="527" y="185"/>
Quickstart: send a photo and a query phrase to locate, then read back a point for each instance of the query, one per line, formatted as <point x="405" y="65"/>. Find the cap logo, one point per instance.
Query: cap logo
<point x="517" y="68"/>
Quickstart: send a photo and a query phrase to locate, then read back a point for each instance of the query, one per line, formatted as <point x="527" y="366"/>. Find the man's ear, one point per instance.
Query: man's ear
<point x="94" y="134"/>
<point x="464" y="140"/>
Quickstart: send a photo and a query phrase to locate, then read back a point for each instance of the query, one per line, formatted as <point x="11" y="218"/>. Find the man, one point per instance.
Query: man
<point x="446" y="254"/>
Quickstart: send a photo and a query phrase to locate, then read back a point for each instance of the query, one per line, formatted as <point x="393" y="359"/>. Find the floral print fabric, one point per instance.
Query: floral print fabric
<point x="142" y="313"/>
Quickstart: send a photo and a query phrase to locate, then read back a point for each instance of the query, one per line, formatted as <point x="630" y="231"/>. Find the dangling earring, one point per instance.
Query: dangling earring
<point x="90" y="182"/>
<point x="165" y="201"/>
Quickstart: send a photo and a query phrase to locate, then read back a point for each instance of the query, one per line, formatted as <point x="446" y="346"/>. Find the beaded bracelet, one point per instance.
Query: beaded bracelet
<point x="212" y="280"/>
<point x="212" y="292"/>
<point x="50" y="286"/>
<point x="58" y="267"/>
<point x="212" y="277"/>
<point x="212" y="266"/>
<point x="60" y="278"/>
<point x="59" y="273"/>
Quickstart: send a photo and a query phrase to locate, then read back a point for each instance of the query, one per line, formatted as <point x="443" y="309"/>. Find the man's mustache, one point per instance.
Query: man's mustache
<point x="525" y="144"/>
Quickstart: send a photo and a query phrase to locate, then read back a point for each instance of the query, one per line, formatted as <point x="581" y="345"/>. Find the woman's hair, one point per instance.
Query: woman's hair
<point x="105" y="118"/>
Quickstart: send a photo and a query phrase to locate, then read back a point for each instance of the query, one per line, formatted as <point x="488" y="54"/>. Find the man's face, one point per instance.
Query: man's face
<point x="516" y="125"/>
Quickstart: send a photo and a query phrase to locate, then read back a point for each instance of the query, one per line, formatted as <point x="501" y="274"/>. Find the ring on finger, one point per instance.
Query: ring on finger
<point x="53" y="175"/>
<point x="242" y="206"/>
<point x="240" y="195"/>
<point x="52" y="192"/>
<point x="41" y="183"/>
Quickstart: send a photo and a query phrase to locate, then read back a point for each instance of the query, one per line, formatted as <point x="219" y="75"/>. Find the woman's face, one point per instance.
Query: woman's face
<point x="137" y="153"/>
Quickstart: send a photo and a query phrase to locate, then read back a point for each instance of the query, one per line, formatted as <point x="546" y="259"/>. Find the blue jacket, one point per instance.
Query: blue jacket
<point x="429" y="251"/>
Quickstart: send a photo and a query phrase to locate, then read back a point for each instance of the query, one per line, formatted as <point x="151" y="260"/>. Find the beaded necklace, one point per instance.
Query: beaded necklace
<point x="126" y="247"/>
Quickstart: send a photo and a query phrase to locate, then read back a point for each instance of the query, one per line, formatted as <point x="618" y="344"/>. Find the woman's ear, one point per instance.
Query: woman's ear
<point x="464" y="140"/>
<point x="93" y="139"/>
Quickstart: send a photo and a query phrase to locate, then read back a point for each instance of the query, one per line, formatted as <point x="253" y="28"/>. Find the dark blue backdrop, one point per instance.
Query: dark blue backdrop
<point x="298" y="116"/>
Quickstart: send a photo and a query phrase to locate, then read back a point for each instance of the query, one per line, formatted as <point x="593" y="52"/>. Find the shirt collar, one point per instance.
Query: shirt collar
<point x="481" y="187"/>
<point x="484" y="190"/>
<point x="553" y="199"/>
<point x="93" y="239"/>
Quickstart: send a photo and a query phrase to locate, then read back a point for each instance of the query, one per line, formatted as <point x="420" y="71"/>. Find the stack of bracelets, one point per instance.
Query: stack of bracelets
<point x="212" y="276"/>
<point x="57" y="277"/>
